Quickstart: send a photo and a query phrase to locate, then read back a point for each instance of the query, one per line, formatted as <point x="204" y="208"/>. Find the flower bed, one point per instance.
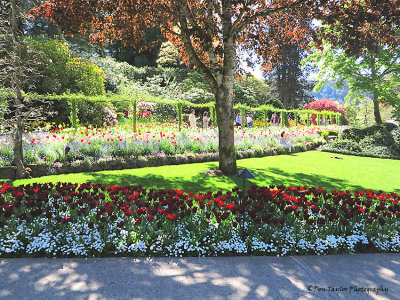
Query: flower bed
<point x="93" y="220"/>
<point x="122" y="142"/>
<point x="159" y="159"/>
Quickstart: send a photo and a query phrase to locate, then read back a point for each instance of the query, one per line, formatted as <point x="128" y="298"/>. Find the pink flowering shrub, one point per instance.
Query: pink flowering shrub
<point x="110" y="117"/>
<point x="326" y="104"/>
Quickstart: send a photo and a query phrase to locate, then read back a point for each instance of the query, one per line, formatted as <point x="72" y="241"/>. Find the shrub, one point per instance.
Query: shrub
<point x="326" y="133"/>
<point x="91" y="113"/>
<point x="390" y="126"/>
<point x="348" y="145"/>
<point x="352" y="134"/>
<point x="65" y="72"/>
<point x="380" y="138"/>
<point x="374" y="141"/>
<point x="396" y="135"/>
<point x="164" y="112"/>
<point x="380" y="151"/>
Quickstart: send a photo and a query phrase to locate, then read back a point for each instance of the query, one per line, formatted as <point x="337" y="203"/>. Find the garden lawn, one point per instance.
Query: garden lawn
<point x="313" y="168"/>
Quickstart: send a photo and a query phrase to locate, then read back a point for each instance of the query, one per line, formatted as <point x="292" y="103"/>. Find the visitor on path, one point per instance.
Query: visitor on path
<point x="238" y="121"/>
<point x="249" y="121"/>
<point x="284" y="141"/>
<point x="193" y="119"/>
<point x="206" y="119"/>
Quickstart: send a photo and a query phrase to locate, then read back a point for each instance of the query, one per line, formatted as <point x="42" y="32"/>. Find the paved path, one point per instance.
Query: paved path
<point x="297" y="277"/>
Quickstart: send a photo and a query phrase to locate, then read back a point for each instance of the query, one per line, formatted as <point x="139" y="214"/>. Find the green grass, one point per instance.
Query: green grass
<point x="311" y="168"/>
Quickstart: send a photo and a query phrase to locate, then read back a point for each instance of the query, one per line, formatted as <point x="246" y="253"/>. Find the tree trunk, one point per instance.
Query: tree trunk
<point x="377" y="112"/>
<point x="223" y="91"/>
<point x="18" y="69"/>
<point x="375" y="93"/>
<point x="226" y="138"/>
<point x="18" y="154"/>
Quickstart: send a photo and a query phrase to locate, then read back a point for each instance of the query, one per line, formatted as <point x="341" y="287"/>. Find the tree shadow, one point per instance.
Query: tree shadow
<point x="197" y="183"/>
<point x="203" y="182"/>
<point x="279" y="176"/>
<point x="189" y="177"/>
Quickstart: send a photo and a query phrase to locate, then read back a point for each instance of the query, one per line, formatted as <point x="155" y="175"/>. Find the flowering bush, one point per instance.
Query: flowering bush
<point x="110" y="118"/>
<point x="326" y="104"/>
<point x="67" y="219"/>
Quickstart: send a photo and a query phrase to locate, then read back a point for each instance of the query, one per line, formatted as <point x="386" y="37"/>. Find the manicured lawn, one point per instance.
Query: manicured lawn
<point x="312" y="168"/>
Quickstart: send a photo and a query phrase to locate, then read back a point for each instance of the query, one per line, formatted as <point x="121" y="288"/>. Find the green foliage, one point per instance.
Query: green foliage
<point x="87" y="77"/>
<point x="352" y="133"/>
<point x="396" y="136"/>
<point x="389" y="126"/>
<point x="375" y="73"/>
<point x="351" y="113"/>
<point x="168" y="55"/>
<point x="375" y="141"/>
<point x="62" y="72"/>
<point x="349" y="145"/>
<point x="254" y="92"/>
<point x="92" y="113"/>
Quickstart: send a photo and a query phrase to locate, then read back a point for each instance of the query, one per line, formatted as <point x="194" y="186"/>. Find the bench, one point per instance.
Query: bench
<point x="331" y="138"/>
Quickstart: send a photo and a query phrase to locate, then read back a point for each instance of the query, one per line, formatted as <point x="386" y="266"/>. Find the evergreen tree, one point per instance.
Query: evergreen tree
<point x="289" y="80"/>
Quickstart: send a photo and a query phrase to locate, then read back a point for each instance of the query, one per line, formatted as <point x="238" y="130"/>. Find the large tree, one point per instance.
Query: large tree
<point x="211" y="34"/>
<point x="18" y="64"/>
<point x="374" y="74"/>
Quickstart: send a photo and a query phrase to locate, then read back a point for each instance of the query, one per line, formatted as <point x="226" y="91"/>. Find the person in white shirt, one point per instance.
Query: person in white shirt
<point x="284" y="141"/>
<point x="249" y="121"/>
<point x="193" y="119"/>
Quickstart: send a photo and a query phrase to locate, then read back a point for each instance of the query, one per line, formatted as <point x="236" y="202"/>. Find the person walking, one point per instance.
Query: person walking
<point x="193" y="119"/>
<point x="206" y="119"/>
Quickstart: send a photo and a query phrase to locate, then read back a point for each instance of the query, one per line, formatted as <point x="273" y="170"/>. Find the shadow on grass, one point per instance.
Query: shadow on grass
<point x="202" y="182"/>
<point x="190" y="178"/>
<point x="279" y="176"/>
<point x="198" y="183"/>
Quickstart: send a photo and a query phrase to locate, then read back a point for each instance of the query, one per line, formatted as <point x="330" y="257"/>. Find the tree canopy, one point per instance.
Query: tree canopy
<point x="212" y="35"/>
<point x="374" y="73"/>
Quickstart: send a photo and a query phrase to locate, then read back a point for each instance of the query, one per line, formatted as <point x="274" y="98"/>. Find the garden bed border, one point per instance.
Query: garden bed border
<point x="9" y="172"/>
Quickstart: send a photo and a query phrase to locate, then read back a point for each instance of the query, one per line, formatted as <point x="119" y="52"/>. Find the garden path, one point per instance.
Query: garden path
<point x="295" y="277"/>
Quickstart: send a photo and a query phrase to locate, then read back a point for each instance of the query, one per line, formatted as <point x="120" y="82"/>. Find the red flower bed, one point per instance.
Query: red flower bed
<point x="92" y="219"/>
<point x="268" y="205"/>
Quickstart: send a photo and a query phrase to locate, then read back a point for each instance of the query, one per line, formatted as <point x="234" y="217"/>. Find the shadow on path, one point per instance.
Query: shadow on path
<point x="297" y="277"/>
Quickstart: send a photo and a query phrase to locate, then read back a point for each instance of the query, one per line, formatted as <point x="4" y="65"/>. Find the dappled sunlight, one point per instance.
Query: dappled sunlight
<point x="201" y="278"/>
